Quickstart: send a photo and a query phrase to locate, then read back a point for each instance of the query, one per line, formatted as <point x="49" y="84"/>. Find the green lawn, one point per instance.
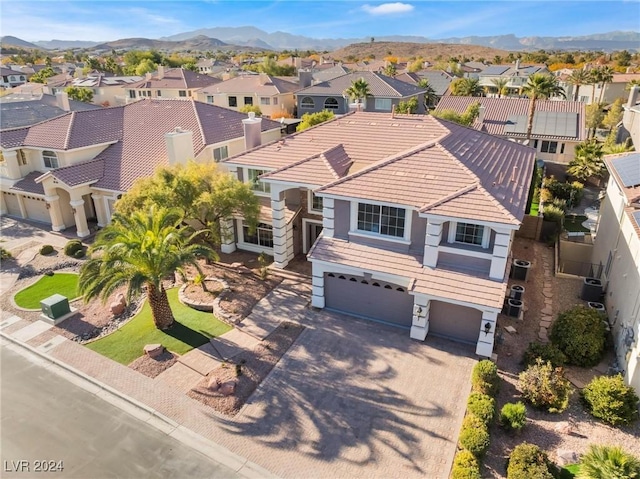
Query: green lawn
<point x="191" y="329"/>
<point x="65" y="284"/>
<point x="573" y="223"/>
<point x="568" y="472"/>
<point x="534" y="211"/>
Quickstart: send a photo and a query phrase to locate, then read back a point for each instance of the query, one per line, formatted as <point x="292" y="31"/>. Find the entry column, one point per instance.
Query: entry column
<point x="420" y="321"/>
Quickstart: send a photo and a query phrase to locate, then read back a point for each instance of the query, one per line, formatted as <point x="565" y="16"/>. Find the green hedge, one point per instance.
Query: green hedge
<point x="474" y="435"/>
<point x="610" y="399"/>
<point x="581" y="335"/>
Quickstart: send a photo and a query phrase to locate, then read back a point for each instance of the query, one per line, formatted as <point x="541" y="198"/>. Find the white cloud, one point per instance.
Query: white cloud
<point x="387" y="8"/>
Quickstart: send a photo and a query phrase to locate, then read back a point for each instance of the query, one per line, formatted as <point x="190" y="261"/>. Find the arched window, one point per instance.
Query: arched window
<point x="307" y="102"/>
<point x="331" y="104"/>
<point x="50" y="159"/>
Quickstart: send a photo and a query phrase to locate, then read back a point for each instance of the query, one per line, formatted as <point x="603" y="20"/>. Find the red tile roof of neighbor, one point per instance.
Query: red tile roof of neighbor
<point x="176" y="78"/>
<point x="498" y="111"/>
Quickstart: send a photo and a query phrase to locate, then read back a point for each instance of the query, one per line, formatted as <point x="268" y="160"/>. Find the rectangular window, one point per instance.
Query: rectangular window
<point x="132" y="94"/>
<point x="384" y="220"/>
<point x="316" y="203"/>
<point x="220" y="154"/>
<point x="182" y="93"/>
<point x="469" y="233"/>
<point x="248" y="100"/>
<point x="383" y="104"/>
<point x="22" y="160"/>
<point x="561" y="148"/>
<point x="262" y="236"/>
<point x="275" y="101"/>
<point x="256" y="184"/>
<point x="159" y="93"/>
<point x="549" y="146"/>
<point x="50" y="159"/>
<point x="233" y="101"/>
<point x="265" y="100"/>
<point x="210" y="99"/>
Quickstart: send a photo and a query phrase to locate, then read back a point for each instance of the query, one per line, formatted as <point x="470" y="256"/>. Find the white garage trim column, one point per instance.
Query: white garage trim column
<point x="317" y="285"/>
<point x="23" y="208"/>
<point x="432" y="242"/>
<point x="53" y="205"/>
<point x="228" y="244"/>
<point x="101" y="214"/>
<point x="486" y="337"/>
<point x="420" y="321"/>
<point x="82" y="228"/>
<point x="500" y="254"/>
<point x="279" y="224"/>
<point x="328" y="215"/>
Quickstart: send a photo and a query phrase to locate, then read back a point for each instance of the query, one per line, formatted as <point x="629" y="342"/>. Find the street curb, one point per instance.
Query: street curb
<point x="162" y="423"/>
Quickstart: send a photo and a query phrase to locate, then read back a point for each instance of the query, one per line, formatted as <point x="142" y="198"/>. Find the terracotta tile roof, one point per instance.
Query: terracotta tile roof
<point x="317" y="170"/>
<point x="177" y="78"/>
<point x="13" y="138"/>
<point x="85" y="172"/>
<point x="499" y="110"/>
<point x="28" y="184"/>
<point x="379" y="85"/>
<point x="442" y="282"/>
<point x="263" y="85"/>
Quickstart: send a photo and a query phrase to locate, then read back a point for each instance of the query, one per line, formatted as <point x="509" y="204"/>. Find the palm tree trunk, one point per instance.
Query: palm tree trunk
<point x="575" y="95"/>
<point x="160" y="309"/>
<point x="532" y="111"/>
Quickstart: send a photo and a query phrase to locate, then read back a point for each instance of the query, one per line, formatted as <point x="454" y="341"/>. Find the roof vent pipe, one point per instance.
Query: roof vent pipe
<point x="393" y="111"/>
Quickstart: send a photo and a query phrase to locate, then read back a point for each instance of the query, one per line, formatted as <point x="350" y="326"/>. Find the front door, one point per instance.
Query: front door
<point x="312" y="231"/>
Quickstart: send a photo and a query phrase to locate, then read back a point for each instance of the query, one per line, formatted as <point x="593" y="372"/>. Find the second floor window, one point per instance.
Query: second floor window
<point x="331" y="104"/>
<point x="549" y="147"/>
<point x="469" y="233"/>
<point x="182" y="93"/>
<point x="132" y="93"/>
<point x="50" y="159"/>
<point x="22" y="160"/>
<point x="265" y="100"/>
<point x="307" y="102"/>
<point x="248" y="100"/>
<point x="209" y="98"/>
<point x="383" y="104"/>
<point x="384" y="220"/>
<point x="256" y="184"/>
<point x="233" y="101"/>
<point x="316" y="203"/>
<point x="220" y="154"/>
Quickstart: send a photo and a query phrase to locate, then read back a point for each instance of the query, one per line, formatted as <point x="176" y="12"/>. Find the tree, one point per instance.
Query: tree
<point x="139" y="251"/>
<point x="466" y="87"/>
<point x="594" y="116"/>
<point x="623" y="58"/>
<point x="312" y="119"/>
<point x="390" y="70"/>
<point x="466" y="119"/>
<point x="80" y="93"/>
<point x="359" y="90"/>
<point x="251" y="108"/>
<point x="42" y="75"/>
<point x="540" y="86"/>
<point x="501" y="85"/>
<point x="416" y="65"/>
<point x="577" y="79"/>
<point x="409" y="107"/>
<point x="146" y="66"/>
<point x="605" y="76"/>
<point x="614" y="115"/>
<point x="430" y="96"/>
<point x="587" y="162"/>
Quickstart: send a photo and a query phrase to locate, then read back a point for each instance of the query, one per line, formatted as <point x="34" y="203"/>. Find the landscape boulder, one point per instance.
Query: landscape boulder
<point x="154" y="350"/>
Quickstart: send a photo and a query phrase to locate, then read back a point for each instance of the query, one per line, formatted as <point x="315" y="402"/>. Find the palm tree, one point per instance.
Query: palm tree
<point x="466" y="87"/>
<point x="138" y="251"/>
<point x="540" y="86"/>
<point x="587" y="162"/>
<point x="430" y="97"/>
<point x="577" y="79"/>
<point x="606" y="76"/>
<point x="501" y="85"/>
<point x="358" y="90"/>
<point x="608" y="462"/>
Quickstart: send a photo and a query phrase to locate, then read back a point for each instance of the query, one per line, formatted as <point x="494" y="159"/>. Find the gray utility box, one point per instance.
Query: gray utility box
<point x="55" y="306"/>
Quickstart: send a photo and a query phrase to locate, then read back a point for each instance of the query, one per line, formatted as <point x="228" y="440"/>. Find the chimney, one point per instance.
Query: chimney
<point x="263" y="79"/>
<point x="517" y="64"/>
<point x="147" y="76"/>
<point x="252" y="131"/>
<point x="179" y="144"/>
<point x="297" y="62"/>
<point x="160" y="72"/>
<point x="481" y="112"/>
<point x="62" y="99"/>
<point x="305" y="78"/>
<point x="393" y="111"/>
<point x="633" y="96"/>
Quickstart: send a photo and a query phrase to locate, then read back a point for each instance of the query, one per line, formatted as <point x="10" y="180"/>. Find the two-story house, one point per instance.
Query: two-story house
<point x="617" y="251"/>
<point x="271" y="94"/>
<point x="10" y="78"/>
<point x="107" y="89"/>
<point x="515" y="75"/>
<point x="438" y="80"/>
<point x="406" y="219"/>
<point x="558" y="126"/>
<point x="169" y="83"/>
<point x="631" y="117"/>
<point x="68" y="170"/>
<point x="385" y="92"/>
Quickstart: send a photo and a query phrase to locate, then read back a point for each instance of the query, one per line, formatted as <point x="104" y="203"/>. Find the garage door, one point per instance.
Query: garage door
<point x="454" y="322"/>
<point x="13" y="207"/>
<point x="36" y="209"/>
<point x="370" y="299"/>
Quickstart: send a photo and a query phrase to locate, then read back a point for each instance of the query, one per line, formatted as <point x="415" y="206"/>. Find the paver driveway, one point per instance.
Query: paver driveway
<point x="354" y="398"/>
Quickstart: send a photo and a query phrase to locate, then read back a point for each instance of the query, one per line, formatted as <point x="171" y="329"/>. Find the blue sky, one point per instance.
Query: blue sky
<point x="34" y="20"/>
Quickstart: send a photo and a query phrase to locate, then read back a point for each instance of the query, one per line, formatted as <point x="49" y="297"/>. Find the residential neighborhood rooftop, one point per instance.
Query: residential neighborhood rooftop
<point x="379" y="85"/>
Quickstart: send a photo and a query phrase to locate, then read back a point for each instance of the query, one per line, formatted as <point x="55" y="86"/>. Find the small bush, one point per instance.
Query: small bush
<point x="46" y="249"/>
<point x="72" y="246"/>
<point x="580" y="334"/>
<point x="547" y="352"/>
<point x="513" y="416"/>
<point x="528" y="461"/>
<point x="79" y="254"/>
<point x="558" y="203"/>
<point x="484" y="378"/>
<point x="552" y="213"/>
<point x="604" y="462"/>
<point x="610" y="399"/>
<point x="482" y="406"/>
<point x="465" y="466"/>
<point x="545" y="195"/>
<point x="474" y="435"/>
<point x="545" y="386"/>
<point x="4" y="254"/>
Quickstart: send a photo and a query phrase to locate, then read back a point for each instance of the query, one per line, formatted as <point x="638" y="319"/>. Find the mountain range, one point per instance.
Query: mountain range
<point x="249" y="36"/>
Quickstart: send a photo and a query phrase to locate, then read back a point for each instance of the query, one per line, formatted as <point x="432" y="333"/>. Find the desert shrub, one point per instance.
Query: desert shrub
<point x="610" y="399"/>
<point x="608" y="462"/>
<point x="560" y="204"/>
<point x="552" y="213"/>
<point x="4" y="254"/>
<point x="513" y="416"/>
<point x="79" y="254"/>
<point x="545" y="386"/>
<point x="580" y="334"/>
<point x="72" y="246"/>
<point x="547" y="352"/>
<point x="528" y="461"/>
<point x="545" y="195"/>
<point x="465" y="466"/>
<point x="484" y="378"/>
<point x="46" y="249"/>
<point x="474" y="435"/>
<point x="578" y="192"/>
<point x="482" y="406"/>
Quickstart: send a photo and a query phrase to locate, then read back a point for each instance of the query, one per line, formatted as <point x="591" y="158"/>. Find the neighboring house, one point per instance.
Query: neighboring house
<point x="210" y="66"/>
<point x="438" y="80"/>
<point x="169" y="83"/>
<point x="108" y="90"/>
<point x="73" y="168"/>
<point x="406" y="219"/>
<point x="557" y="128"/>
<point x="617" y="88"/>
<point x="330" y="95"/>
<point x="325" y="72"/>
<point x="10" y="78"/>
<point x="516" y="76"/>
<point x="26" y="112"/>
<point x="617" y="250"/>
<point x="631" y="117"/>
<point x="273" y="95"/>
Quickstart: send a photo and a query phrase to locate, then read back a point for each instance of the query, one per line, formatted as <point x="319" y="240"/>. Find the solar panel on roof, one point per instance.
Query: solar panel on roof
<point x="628" y="169"/>
<point x="495" y="70"/>
<point x="545" y="123"/>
